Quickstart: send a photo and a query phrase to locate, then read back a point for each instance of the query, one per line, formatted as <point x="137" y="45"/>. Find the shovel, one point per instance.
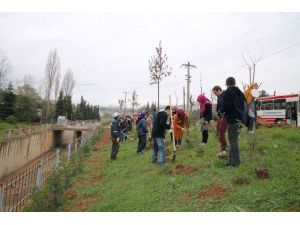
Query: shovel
<point x="173" y="142"/>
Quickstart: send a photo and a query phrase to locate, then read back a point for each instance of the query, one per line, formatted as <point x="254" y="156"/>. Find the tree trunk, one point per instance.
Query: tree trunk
<point x="157" y="96"/>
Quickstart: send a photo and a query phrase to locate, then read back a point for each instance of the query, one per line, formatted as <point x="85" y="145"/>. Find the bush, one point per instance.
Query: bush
<point x="11" y="119"/>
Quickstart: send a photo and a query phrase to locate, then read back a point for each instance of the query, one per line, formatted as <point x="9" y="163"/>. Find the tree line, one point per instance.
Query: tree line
<point x="24" y="103"/>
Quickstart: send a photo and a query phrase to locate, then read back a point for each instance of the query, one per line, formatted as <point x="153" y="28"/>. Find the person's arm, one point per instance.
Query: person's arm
<point x="144" y="125"/>
<point x="163" y="121"/>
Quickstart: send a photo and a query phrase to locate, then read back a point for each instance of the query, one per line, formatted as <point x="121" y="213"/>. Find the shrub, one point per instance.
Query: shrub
<point x="11" y="119"/>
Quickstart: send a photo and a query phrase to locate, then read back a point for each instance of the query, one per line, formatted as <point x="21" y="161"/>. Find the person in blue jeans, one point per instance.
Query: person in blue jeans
<point x="160" y="126"/>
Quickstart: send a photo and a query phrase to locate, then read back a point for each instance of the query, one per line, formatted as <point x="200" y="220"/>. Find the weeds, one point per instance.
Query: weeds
<point x="52" y="196"/>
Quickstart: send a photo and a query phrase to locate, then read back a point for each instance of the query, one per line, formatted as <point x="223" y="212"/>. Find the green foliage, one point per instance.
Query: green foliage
<point x="52" y="196"/>
<point x="7" y="103"/>
<point x="11" y="119"/>
<point x="27" y="104"/>
<point x="133" y="183"/>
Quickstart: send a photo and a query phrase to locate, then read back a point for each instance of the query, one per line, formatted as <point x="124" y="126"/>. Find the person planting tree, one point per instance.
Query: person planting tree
<point x="179" y="127"/>
<point x="206" y="114"/>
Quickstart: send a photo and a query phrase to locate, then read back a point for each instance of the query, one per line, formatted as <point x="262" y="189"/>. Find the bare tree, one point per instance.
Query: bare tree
<point x="251" y="65"/>
<point x="68" y="83"/>
<point x="56" y="86"/>
<point x="159" y="69"/>
<point x="52" y="72"/>
<point x="5" y="67"/>
<point x="121" y="102"/>
<point x="133" y="100"/>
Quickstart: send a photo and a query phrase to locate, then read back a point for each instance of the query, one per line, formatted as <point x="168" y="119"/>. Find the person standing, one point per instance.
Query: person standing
<point x="158" y="135"/>
<point x="115" y="135"/>
<point x="249" y="114"/>
<point x="233" y="109"/>
<point x="179" y="126"/>
<point x="142" y="132"/>
<point x="221" y="123"/>
<point x="206" y="114"/>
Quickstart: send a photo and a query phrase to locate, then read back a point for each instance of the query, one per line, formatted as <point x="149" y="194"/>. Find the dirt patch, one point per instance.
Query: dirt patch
<point x="91" y="180"/>
<point x="216" y="191"/>
<point x="83" y="204"/>
<point x="104" y="140"/>
<point x="262" y="174"/>
<point x="187" y="197"/>
<point x="183" y="170"/>
<point x="71" y="194"/>
<point x="241" y="182"/>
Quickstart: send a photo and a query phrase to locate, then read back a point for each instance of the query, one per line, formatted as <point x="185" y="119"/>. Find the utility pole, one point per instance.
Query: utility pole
<point x="188" y="79"/>
<point x="183" y="98"/>
<point x="125" y="92"/>
<point x="201" y="83"/>
<point x="134" y="100"/>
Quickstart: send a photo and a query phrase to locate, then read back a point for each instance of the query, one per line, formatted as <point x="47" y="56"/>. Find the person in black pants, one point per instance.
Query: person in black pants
<point x="115" y="136"/>
<point x="206" y="114"/>
<point x="233" y="109"/>
<point x="142" y="133"/>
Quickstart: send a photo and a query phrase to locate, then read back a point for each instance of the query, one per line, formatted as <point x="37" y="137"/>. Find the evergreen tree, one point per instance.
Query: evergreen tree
<point x="68" y="107"/>
<point x="8" y="102"/>
<point x="60" y="106"/>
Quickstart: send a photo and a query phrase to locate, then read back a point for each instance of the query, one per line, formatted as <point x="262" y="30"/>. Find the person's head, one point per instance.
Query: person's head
<point x="230" y="82"/>
<point x="217" y="90"/>
<point x="174" y="110"/>
<point x="116" y="115"/>
<point x="167" y="110"/>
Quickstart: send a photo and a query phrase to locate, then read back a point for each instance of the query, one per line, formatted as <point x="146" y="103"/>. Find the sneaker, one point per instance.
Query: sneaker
<point x="202" y="144"/>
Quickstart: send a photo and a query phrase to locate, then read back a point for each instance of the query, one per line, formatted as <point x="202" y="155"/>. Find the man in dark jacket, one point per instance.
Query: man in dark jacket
<point x="233" y="109"/>
<point x="221" y="123"/>
<point x="142" y="132"/>
<point x="158" y="135"/>
<point x="115" y="136"/>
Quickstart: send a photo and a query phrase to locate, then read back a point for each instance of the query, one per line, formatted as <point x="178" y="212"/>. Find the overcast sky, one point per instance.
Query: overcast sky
<point x="111" y="50"/>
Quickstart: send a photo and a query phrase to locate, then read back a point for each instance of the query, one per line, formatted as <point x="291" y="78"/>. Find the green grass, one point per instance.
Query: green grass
<point x="133" y="183"/>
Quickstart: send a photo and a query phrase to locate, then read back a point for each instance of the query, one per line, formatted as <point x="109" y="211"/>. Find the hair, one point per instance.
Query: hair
<point x="217" y="88"/>
<point x="230" y="81"/>
<point x="167" y="107"/>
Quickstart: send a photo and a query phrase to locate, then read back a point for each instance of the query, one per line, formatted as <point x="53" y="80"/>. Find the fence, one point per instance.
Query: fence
<point x="23" y="132"/>
<point x="14" y="193"/>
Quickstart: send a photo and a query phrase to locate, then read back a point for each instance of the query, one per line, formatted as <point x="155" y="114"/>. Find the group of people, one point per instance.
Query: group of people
<point x="233" y="108"/>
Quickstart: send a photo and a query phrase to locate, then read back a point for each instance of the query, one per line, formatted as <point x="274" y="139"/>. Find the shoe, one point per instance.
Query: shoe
<point x="251" y="132"/>
<point x="202" y="144"/>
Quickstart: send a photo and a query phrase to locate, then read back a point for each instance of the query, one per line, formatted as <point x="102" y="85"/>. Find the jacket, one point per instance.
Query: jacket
<point x="115" y="130"/>
<point x="207" y="115"/>
<point x="233" y="105"/>
<point x="142" y="127"/>
<point x="220" y="104"/>
<point x="160" y="125"/>
<point x="178" y="124"/>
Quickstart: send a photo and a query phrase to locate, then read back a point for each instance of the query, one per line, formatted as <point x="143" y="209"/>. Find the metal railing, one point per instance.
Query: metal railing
<point x="14" y="193"/>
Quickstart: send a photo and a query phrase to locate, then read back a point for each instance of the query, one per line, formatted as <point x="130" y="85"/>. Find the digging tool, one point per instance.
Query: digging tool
<point x="131" y="139"/>
<point x="173" y="142"/>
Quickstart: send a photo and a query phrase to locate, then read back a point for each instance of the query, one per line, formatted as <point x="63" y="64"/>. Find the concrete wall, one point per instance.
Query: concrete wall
<point x="17" y="152"/>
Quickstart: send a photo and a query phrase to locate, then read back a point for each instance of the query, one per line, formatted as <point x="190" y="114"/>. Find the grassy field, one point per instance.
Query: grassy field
<point x="203" y="182"/>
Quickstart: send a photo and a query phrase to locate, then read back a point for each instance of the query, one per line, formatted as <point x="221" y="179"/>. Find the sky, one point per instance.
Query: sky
<point x="109" y="52"/>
